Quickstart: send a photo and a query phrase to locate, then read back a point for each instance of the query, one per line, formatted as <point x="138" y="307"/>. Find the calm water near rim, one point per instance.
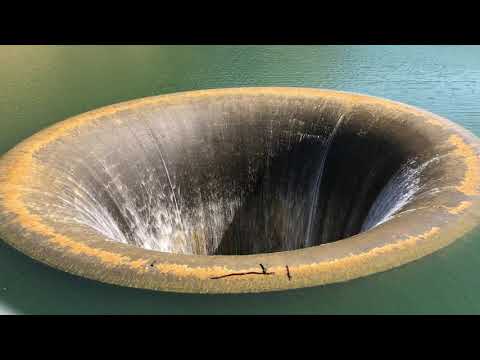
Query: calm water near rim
<point x="45" y="84"/>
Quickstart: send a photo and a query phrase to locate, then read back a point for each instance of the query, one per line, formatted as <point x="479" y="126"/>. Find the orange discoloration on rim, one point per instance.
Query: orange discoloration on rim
<point x="460" y="208"/>
<point x="202" y="273"/>
<point x="471" y="179"/>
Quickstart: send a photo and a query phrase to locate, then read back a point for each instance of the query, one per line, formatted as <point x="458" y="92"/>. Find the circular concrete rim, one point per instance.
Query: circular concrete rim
<point x="86" y="253"/>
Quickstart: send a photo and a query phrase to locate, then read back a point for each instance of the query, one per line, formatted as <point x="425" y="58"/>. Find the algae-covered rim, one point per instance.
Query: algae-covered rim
<point x="81" y="251"/>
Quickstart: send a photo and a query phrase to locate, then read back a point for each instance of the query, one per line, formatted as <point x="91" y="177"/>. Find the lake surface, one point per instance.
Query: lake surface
<point x="40" y="85"/>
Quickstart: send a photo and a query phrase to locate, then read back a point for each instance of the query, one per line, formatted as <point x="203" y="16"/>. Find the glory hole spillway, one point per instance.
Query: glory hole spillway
<point x="172" y="192"/>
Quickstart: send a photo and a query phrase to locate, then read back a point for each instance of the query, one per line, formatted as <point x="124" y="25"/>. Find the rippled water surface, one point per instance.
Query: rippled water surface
<point x="42" y="85"/>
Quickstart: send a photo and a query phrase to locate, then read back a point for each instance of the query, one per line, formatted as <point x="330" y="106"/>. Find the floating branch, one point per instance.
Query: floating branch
<point x="263" y="269"/>
<point x="264" y="272"/>
<point x="288" y="273"/>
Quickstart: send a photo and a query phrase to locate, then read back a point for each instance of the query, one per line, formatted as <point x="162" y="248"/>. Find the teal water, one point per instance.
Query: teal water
<point x="42" y="85"/>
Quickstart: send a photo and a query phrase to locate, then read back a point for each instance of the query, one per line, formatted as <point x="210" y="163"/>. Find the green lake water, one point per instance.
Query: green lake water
<point x="40" y="85"/>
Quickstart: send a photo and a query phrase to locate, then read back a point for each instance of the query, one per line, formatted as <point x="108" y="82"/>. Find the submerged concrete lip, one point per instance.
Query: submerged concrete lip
<point x="84" y="252"/>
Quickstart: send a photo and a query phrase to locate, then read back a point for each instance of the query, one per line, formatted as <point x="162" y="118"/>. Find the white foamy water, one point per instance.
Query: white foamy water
<point x="318" y="182"/>
<point x="397" y="193"/>
<point x="157" y="225"/>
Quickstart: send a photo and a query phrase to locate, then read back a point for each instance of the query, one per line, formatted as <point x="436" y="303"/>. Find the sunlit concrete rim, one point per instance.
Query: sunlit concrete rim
<point x="83" y="252"/>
